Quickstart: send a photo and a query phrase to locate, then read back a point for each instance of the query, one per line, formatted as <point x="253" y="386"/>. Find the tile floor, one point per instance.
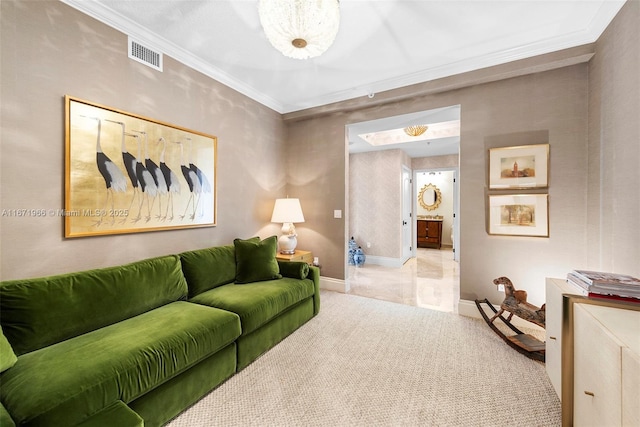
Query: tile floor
<point x="430" y="280"/>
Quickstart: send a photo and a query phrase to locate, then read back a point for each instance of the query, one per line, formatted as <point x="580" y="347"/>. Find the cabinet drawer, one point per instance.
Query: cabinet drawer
<point x="597" y="373"/>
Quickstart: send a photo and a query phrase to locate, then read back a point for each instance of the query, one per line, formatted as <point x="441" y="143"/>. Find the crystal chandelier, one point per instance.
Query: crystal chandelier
<point x="300" y="29"/>
<point x="415" y="130"/>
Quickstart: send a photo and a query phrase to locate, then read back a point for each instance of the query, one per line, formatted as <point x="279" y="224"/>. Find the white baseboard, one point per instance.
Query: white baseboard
<point x="331" y="284"/>
<point x="469" y="309"/>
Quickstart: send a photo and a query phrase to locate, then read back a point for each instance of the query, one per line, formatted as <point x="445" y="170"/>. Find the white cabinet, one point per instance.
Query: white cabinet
<point x="630" y="387"/>
<point x="553" y="329"/>
<point x="593" y="357"/>
<point x="606" y="366"/>
<point x="597" y="380"/>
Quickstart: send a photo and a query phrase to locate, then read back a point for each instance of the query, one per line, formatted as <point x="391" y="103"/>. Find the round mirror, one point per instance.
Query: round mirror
<point x="429" y="197"/>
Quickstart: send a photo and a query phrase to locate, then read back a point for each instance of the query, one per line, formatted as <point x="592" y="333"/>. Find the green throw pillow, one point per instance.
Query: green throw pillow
<point x="294" y="269"/>
<point x="256" y="260"/>
<point x="7" y="356"/>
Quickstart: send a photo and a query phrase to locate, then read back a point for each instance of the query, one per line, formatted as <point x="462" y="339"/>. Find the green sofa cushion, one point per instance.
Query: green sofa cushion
<point x="35" y="313"/>
<point x="7" y="357"/>
<point x="257" y="303"/>
<point x="69" y="381"/>
<point x="116" y="414"/>
<point x="208" y="268"/>
<point x="294" y="269"/>
<point x="256" y="260"/>
<point x="5" y="418"/>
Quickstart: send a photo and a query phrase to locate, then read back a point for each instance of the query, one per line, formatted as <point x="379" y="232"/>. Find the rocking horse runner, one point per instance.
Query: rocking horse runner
<point x="515" y="302"/>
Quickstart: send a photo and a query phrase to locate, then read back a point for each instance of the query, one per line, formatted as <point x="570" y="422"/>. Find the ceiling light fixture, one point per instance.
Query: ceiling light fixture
<point x="300" y="29"/>
<point x="415" y="130"/>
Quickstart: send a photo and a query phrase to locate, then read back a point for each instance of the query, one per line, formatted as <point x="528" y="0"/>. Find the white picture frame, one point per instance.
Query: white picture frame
<point x="519" y="215"/>
<point x="520" y="167"/>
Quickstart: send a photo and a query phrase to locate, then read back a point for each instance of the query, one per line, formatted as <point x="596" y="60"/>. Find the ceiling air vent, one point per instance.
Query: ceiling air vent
<point x="145" y="55"/>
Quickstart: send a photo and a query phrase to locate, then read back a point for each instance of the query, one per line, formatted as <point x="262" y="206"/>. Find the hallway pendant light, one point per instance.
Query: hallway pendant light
<point x="415" y="130"/>
<point x="300" y="29"/>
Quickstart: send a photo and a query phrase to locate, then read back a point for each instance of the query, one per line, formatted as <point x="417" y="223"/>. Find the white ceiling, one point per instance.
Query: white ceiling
<point x="381" y="44"/>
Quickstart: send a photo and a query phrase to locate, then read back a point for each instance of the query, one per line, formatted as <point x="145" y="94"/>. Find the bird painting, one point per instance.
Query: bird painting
<point x="114" y="179"/>
<point x="156" y="174"/>
<point x="170" y="179"/>
<point x="193" y="182"/>
<point x="204" y="182"/>
<point x="148" y="186"/>
<point x="130" y="166"/>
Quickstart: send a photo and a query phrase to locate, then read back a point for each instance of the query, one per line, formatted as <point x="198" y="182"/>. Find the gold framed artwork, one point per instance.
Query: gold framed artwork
<point x="525" y="166"/>
<point x="519" y="215"/>
<point x="125" y="173"/>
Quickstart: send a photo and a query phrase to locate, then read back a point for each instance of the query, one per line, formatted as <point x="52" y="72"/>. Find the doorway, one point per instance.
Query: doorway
<point x="443" y="182"/>
<point x="384" y="157"/>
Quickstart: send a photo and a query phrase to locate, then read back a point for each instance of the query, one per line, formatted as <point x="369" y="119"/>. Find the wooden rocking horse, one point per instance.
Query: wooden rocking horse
<point x="515" y="302"/>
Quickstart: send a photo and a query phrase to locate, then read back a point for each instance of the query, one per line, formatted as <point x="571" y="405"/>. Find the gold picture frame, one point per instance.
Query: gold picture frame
<point x="521" y="167"/>
<point x="126" y="173"/>
<point x="519" y="215"/>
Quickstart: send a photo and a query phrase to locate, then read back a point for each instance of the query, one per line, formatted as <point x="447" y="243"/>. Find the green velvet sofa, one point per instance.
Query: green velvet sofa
<point x="137" y="344"/>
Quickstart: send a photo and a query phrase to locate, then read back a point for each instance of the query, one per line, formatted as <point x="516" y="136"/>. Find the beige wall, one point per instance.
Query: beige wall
<point x="375" y="202"/>
<point x="435" y="162"/>
<point x="49" y="50"/>
<point x="614" y="146"/>
<point x="555" y="101"/>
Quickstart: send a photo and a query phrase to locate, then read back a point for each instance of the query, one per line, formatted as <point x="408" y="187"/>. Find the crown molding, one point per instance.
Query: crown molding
<point x="536" y="64"/>
<point x="605" y="15"/>
<point x="98" y="11"/>
<point x="123" y="24"/>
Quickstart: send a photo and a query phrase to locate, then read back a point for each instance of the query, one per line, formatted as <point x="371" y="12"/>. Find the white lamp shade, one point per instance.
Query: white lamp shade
<point x="287" y="210"/>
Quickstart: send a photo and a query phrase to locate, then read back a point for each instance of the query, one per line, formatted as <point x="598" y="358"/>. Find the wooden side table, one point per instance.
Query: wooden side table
<point x="304" y="256"/>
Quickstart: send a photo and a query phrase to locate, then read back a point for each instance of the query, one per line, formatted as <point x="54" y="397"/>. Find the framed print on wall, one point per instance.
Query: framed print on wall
<point x="525" y="166"/>
<point x="519" y="215"/>
<point x="126" y="173"/>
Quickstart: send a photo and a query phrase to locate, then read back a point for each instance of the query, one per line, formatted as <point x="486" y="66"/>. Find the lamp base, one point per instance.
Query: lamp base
<point x="287" y="244"/>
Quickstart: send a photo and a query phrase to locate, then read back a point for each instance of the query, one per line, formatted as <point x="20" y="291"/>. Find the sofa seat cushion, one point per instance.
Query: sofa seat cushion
<point x="69" y="381"/>
<point x="117" y="414"/>
<point x="259" y="302"/>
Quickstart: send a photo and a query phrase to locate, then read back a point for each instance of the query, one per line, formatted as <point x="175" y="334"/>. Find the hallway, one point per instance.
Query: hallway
<point x="431" y="280"/>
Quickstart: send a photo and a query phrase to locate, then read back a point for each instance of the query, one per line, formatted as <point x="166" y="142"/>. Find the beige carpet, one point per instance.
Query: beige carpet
<point x="364" y="362"/>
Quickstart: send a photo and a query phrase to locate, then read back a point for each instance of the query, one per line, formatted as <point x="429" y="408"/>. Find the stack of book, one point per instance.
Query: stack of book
<point x="606" y="285"/>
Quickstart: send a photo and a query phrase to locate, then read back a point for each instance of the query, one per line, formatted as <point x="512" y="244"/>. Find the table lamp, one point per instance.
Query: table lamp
<point x="287" y="211"/>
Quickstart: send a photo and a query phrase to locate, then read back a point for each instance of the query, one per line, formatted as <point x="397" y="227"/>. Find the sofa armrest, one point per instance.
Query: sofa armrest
<point x="314" y="274"/>
<point x="302" y="270"/>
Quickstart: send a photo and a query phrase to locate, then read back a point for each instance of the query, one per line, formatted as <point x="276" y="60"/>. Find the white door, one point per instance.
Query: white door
<point x="406" y="213"/>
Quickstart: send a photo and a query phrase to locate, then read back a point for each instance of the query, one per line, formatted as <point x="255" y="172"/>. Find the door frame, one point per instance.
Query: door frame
<point x="456" y="209"/>
<point x="407" y="214"/>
